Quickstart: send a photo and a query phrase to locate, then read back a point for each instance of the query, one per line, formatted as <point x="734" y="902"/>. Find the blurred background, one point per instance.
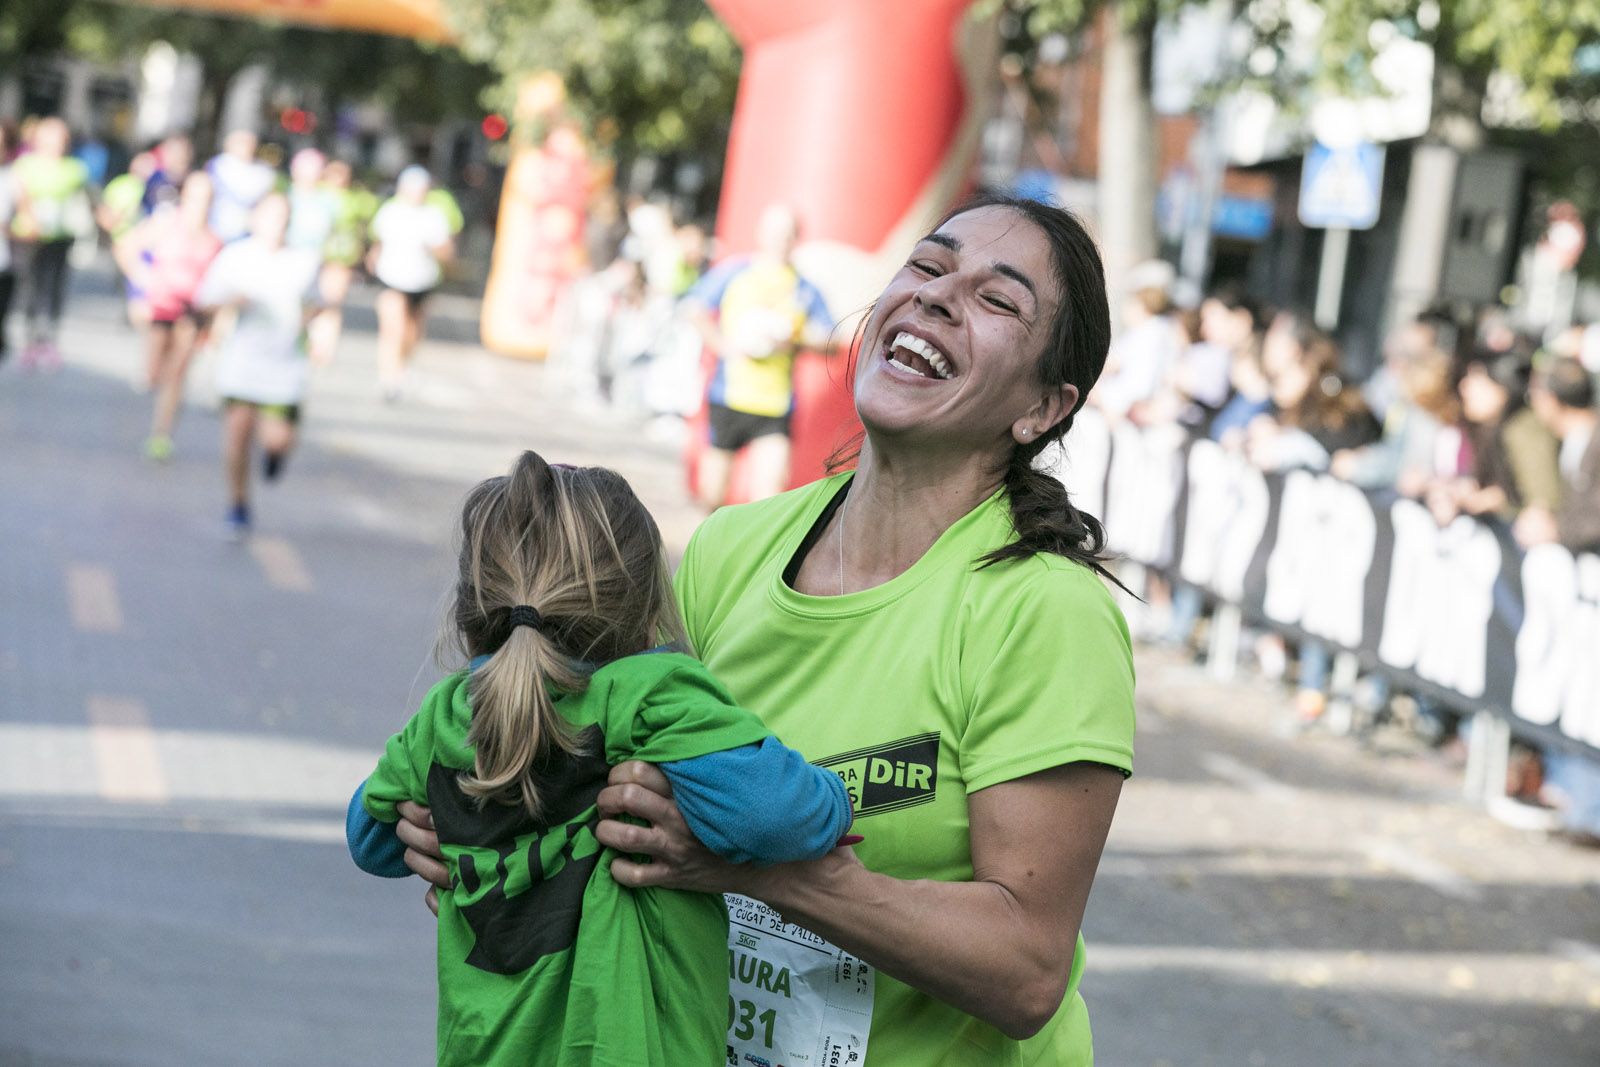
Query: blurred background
<point x="1344" y="447"/>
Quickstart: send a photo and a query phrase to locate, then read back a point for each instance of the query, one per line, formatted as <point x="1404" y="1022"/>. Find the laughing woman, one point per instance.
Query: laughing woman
<point x="932" y="626"/>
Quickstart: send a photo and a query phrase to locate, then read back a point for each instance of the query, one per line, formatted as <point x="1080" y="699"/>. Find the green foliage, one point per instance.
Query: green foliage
<point x="651" y="75"/>
<point x="1547" y="52"/>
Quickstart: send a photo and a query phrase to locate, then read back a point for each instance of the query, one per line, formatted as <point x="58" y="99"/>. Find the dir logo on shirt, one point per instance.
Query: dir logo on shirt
<point x="890" y="776"/>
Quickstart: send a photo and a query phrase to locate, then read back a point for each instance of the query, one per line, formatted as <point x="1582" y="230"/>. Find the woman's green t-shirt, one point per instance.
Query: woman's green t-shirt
<point x="945" y="680"/>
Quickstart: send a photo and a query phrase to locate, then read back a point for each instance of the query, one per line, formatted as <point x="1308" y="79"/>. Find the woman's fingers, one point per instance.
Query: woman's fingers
<point x="427" y="868"/>
<point x="423" y="839"/>
<point x="629" y="838"/>
<point x="634" y="799"/>
<point x="637" y="772"/>
<point x="638" y="875"/>
<point x="431" y="898"/>
<point x="412" y="812"/>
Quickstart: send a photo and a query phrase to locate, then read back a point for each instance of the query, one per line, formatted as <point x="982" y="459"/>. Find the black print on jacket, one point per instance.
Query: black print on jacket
<point x="512" y="933"/>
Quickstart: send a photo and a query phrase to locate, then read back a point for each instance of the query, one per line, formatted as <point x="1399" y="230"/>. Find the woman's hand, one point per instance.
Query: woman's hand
<point x="677" y="858"/>
<point x="415" y="830"/>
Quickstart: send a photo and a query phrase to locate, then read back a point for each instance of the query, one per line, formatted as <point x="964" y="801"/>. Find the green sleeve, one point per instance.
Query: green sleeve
<point x="1056" y="686"/>
<point x="402" y="771"/>
<point x="682" y="712"/>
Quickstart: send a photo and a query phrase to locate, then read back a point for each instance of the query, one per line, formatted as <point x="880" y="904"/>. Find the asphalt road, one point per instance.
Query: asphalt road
<point x="182" y="720"/>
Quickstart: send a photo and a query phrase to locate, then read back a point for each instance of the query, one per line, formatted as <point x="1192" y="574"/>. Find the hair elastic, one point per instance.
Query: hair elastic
<point x="523" y="615"/>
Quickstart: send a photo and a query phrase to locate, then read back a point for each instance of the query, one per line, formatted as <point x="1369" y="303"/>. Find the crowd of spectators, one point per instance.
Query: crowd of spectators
<point x="1468" y="418"/>
<point x="624" y="338"/>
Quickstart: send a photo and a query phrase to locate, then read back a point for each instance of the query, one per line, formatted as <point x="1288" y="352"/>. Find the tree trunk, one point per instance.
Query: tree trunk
<point x="1459" y="90"/>
<point x="1127" y="173"/>
<point x="214" y="82"/>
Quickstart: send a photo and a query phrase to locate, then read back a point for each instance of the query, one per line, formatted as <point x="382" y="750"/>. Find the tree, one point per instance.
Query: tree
<point x="1533" y="66"/>
<point x="1127" y="156"/>
<point x="655" y="76"/>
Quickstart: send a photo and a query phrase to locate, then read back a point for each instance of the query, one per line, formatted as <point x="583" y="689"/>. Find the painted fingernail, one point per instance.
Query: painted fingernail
<point x="849" y="839"/>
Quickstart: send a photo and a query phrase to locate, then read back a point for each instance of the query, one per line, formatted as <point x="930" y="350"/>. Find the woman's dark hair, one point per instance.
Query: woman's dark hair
<point x="1329" y="403"/>
<point x="1074" y="354"/>
<point x="1509" y="370"/>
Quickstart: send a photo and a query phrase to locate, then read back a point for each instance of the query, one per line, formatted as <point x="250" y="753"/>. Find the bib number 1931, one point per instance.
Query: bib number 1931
<point x="794" y="999"/>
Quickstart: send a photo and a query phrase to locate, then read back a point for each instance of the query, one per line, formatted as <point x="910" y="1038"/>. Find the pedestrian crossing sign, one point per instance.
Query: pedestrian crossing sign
<point x="1341" y="187"/>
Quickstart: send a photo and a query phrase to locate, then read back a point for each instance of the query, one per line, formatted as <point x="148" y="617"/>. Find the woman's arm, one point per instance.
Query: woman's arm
<point x="998" y="947"/>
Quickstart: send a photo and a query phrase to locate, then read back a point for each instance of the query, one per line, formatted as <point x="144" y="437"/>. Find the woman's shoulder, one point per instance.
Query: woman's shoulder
<point x="1043" y="585"/>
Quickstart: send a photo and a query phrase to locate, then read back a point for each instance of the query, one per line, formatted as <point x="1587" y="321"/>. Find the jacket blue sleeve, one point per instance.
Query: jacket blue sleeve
<point x="760" y="803"/>
<point x="373" y="845"/>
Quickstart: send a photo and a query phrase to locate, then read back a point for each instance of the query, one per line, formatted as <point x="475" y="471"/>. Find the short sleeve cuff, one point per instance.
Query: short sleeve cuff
<point x="994" y="773"/>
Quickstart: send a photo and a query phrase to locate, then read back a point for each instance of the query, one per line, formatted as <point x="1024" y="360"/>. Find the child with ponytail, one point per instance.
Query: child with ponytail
<point x="564" y="612"/>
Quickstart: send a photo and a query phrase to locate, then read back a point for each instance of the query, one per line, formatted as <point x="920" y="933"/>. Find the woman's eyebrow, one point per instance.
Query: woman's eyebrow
<point x="944" y="240"/>
<point x="1016" y="275"/>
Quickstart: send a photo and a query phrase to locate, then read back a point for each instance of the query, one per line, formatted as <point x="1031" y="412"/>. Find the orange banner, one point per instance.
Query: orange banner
<point x="423" y="19"/>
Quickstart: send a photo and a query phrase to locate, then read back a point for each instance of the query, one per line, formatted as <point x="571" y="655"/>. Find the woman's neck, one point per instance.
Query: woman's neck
<point x="899" y="506"/>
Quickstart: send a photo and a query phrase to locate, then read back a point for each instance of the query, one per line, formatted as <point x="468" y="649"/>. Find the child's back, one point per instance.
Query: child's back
<point x="542" y="957"/>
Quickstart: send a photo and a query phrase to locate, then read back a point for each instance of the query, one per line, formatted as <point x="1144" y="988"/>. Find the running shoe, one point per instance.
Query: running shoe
<point x="30" y="356"/>
<point x="49" y="356"/>
<point x="272" y="464"/>
<point x="158" y="448"/>
<point x="238" y="522"/>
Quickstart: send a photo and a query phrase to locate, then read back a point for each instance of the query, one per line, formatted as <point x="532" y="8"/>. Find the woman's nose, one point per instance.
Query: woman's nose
<point x="937" y="297"/>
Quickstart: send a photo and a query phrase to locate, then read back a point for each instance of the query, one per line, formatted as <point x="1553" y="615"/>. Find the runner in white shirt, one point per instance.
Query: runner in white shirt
<point x="240" y="181"/>
<point x="411" y="240"/>
<point x="261" y="367"/>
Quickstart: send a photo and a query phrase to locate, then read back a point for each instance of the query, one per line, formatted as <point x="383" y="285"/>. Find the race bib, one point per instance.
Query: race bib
<point x="794" y="1000"/>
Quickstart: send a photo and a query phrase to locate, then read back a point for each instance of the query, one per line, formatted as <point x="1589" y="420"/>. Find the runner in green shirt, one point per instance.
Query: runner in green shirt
<point x="51" y="190"/>
<point x="934" y="629"/>
<point x="950" y="587"/>
<point x="543" y="958"/>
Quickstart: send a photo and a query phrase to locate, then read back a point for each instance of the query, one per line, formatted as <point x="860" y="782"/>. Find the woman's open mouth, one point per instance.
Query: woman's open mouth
<point x="918" y="356"/>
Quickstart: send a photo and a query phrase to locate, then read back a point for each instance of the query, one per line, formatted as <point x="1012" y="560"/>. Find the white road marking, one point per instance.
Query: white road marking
<point x="127" y="766"/>
<point x="92" y="599"/>
<point x="50" y="763"/>
<point x="1501" y="977"/>
<point x="1419" y="868"/>
<point x="1243" y="775"/>
<point x="1580" y="952"/>
<point x="280" y="561"/>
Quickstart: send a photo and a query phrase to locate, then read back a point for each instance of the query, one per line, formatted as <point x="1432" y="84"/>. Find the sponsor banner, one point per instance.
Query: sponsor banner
<point x="1459" y="613"/>
<point x="423" y="19"/>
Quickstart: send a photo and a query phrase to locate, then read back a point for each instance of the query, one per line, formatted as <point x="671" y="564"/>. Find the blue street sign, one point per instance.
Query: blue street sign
<point x="1342" y="187"/>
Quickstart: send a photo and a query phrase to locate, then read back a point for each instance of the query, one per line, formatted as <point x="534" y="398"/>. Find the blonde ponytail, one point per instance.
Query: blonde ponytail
<point x="514" y="719"/>
<point x="577" y="547"/>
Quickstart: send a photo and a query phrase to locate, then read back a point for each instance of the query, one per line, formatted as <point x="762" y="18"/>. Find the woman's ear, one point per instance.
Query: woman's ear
<point x="1054" y="405"/>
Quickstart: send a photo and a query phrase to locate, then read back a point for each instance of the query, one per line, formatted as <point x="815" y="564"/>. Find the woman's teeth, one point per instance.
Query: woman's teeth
<point x="917" y="346"/>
